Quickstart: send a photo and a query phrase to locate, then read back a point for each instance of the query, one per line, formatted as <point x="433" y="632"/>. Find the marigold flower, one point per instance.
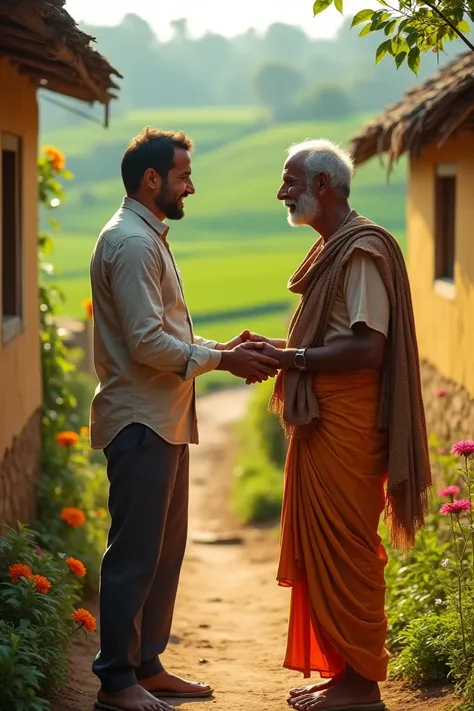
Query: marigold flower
<point x="84" y="432"/>
<point x="464" y="448"/>
<point x="55" y="157"/>
<point x="441" y="392"/>
<point x="73" y="517"/>
<point x="77" y="567"/>
<point x="101" y="513"/>
<point x="67" y="438"/>
<point x="42" y="584"/>
<point x="449" y="491"/>
<point x="19" y="571"/>
<point x="84" y="619"/>
<point x="456" y="507"/>
<point x="87" y="304"/>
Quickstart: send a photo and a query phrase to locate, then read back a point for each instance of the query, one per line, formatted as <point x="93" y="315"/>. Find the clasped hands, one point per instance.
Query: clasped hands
<point x="252" y="357"/>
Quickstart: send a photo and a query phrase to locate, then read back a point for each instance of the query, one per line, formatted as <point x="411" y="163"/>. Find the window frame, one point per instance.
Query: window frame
<point x="13" y="325"/>
<point x="444" y="285"/>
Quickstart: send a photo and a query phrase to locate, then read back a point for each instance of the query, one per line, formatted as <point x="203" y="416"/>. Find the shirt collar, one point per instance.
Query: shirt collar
<point x="160" y="227"/>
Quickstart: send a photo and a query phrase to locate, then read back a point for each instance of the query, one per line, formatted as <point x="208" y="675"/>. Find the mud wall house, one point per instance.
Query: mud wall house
<point x="40" y="47"/>
<point x="434" y="125"/>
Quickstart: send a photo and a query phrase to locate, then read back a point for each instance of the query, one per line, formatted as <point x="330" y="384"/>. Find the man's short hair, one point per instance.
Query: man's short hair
<point x="323" y="156"/>
<point x="151" y="148"/>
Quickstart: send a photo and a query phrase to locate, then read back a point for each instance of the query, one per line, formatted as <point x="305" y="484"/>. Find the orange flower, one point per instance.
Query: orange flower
<point x="42" y="584"/>
<point x="55" y="157"/>
<point x="84" y="619"/>
<point x="67" y="438"/>
<point x="77" y="567"/>
<point x="84" y="432"/>
<point x="74" y="517"/>
<point x="19" y="571"/>
<point x="101" y="513"/>
<point x="87" y="304"/>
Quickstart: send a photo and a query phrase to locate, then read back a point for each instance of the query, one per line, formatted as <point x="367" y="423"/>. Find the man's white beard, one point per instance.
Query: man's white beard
<point x="307" y="208"/>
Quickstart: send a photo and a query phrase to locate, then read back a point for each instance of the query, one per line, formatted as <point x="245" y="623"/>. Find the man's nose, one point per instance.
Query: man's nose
<point x="190" y="187"/>
<point x="282" y="194"/>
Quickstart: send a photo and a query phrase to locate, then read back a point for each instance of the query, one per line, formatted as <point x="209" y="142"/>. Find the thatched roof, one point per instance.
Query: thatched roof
<point x="43" y="40"/>
<point x="428" y="114"/>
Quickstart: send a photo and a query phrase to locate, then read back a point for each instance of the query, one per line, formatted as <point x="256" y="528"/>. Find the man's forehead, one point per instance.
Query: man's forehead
<point x="294" y="165"/>
<point x="182" y="158"/>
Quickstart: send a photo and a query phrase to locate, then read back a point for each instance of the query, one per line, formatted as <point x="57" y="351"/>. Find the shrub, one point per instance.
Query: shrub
<point x="38" y="591"/>
<point x="424" y="658"/>
<point x="258" y="485"/>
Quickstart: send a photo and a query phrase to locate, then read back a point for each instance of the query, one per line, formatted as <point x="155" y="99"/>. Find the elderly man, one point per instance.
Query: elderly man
<point x="349" y="397"/>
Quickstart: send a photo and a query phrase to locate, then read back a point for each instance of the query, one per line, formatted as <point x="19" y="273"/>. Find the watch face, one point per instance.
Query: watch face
<point x="300" y="360"/>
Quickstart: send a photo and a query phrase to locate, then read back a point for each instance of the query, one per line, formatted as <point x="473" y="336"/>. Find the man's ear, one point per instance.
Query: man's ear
<point x="321" y="182"/>
<point x="152" y="179"/>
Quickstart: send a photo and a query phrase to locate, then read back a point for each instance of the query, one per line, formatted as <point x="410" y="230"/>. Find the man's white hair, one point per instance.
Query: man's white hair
<point x="323" y="156"/>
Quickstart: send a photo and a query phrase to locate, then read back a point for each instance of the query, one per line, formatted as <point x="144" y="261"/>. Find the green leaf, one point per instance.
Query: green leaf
<point x="414" y="59"/>
<point x="382" y="51"/>
<point x="361" y="17"/>
<point x="463" y="26"/>
<point x="399" y="59"/>
<point x="390" y="27"/>
<point x="338" y="4"/>
<point x="412" y="39"/>
<point x="366" y="30"/>
<point x="321" y="5"/>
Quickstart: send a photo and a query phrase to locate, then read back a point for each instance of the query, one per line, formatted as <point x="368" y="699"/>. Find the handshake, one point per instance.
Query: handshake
<point x="251" y="357"/>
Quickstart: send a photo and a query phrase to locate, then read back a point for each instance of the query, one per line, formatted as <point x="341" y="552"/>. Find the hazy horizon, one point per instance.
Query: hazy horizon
<point x="210" y="16"/>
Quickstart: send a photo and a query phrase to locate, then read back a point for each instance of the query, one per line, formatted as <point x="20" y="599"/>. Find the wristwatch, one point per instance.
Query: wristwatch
<point x="300" y="359"/>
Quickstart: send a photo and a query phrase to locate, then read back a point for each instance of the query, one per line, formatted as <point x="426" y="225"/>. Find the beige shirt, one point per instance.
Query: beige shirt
<point x="145" y="353"/>
<point x="362" y="297"/>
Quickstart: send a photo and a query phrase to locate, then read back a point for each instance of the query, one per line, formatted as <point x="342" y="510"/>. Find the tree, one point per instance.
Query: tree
<point x="277" y="84"/>
<point x="413" y="27"/>
<point x="326" y="103"/>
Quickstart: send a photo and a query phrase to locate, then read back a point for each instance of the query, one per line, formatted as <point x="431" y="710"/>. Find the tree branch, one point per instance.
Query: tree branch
<point x="450" y="24"/>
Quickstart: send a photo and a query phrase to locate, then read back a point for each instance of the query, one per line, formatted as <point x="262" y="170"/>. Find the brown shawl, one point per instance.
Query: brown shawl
<point x="401" y="408"/>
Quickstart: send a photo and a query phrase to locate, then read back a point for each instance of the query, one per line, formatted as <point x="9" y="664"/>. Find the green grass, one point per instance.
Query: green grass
<point x="234" y="248"/>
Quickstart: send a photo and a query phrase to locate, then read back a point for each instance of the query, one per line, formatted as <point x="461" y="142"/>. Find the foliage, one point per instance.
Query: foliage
<point x="68" y="476"/>
<point x="276" y="84"/>
<point x="434" y="615"/>
<point x="258" y="483"/>
<point x="35" y="621"/>
<point x="325" y="102"/>
<point x="413" y="27"/>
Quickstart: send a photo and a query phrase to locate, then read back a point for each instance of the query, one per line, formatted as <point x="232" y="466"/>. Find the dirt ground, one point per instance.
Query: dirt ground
<point x="230" y="620"/>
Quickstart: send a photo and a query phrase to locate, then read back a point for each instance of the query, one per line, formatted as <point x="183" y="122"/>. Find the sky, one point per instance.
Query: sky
<point x="227" y="17"/>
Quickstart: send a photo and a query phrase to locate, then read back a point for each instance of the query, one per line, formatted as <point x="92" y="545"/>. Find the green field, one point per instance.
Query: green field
<point x="234" y="247"/>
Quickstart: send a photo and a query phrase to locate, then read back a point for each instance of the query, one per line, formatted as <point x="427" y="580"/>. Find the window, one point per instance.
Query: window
<point x="445" y="227"/>
<point x="11" y="236"/>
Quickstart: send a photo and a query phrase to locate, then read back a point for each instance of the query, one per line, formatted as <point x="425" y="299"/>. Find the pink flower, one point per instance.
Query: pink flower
<point x="441" y="392"/>
<point x="449" y="491"/>
<point x="464" y="448"/>
<point x="442" y="451"/>
<point x="39" y="551"/>
<point x="455" y="507"/>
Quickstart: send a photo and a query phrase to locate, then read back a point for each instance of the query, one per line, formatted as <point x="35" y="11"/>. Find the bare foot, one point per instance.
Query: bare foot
<point x="133" y="698"/>
<point x="315" y="688"/>
<point x="348" y="692"/>
<point x="167" y="684"/>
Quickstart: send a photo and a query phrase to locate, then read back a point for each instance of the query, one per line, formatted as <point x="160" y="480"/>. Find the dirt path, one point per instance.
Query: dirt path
<point x="230" y="621"/>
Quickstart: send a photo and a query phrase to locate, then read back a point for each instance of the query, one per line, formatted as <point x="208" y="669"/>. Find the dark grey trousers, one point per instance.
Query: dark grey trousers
<point x="148" y="503"/>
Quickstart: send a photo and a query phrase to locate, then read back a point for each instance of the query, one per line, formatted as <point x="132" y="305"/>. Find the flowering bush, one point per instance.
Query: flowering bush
<point x="71" y="487"/>
<point x="438" y="641"/>
<point x="38" y="594"/>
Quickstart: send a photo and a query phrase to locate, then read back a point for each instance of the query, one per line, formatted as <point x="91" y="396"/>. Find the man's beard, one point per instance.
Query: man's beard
<point x="306" y="209"/>
<point x="168" y="204"/>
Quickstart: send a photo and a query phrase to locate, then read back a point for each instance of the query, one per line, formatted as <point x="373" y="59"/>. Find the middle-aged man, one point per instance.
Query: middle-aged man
<point x="349" y="397"/>
<point x="143" y="417"/>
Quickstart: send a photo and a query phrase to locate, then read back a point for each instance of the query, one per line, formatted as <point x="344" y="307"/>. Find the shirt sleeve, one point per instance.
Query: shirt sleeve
<point x="366" y="297"/>
<point x="199" y="341"/>
<point x="135" y="271"/>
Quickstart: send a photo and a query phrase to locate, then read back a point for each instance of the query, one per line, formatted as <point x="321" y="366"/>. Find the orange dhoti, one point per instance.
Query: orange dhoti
<point x="331" y="554"/>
